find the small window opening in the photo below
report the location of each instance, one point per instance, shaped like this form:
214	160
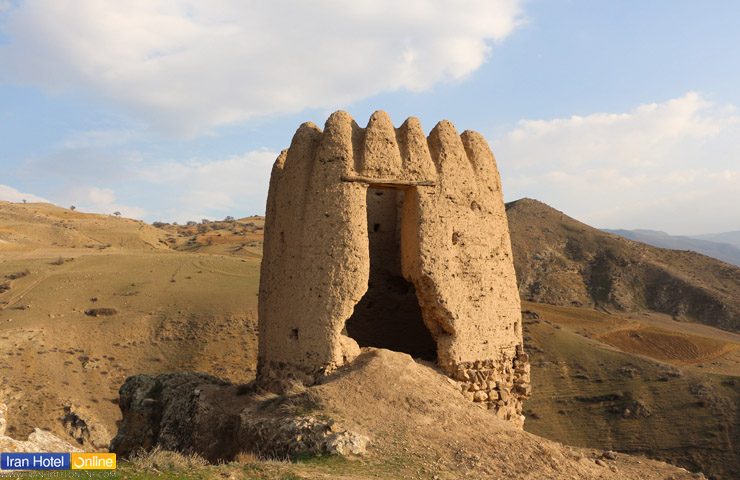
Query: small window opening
389	315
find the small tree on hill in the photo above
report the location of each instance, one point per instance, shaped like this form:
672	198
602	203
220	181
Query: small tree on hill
73	207
117	214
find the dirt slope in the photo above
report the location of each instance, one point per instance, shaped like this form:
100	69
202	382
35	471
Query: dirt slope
564	262
410	407
240	238
413	418
76	321
32	226
667	394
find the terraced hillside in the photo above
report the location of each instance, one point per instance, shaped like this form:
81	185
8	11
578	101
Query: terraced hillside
662	393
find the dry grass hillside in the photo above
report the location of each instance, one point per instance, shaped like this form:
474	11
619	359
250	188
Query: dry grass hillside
240	238
636	383
78	316
75	321
561	261
40	226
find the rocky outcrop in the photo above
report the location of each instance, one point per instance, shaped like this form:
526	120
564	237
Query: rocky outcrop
168	411
198	413
383	237
38	441
84	429
288	437
3	417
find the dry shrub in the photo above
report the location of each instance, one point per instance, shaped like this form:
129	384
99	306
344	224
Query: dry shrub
162	460
22	274
61	261
101	312
4	286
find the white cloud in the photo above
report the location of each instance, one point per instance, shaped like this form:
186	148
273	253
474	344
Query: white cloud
101	195
10	194
91	199
673	166
83	163
211	189
643	137
185	65
113	137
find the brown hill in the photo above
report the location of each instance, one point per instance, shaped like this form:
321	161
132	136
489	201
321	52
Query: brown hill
88	300
637	383
561	261
238	238
183	306
30	226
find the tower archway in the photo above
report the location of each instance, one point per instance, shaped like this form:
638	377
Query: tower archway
389	315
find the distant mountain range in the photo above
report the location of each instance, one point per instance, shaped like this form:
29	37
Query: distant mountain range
733	238
722	246
562	261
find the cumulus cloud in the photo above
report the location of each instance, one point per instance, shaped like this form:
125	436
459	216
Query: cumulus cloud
82	164
10	194
90	167
112	137
185	65
673	166
92	199
201	188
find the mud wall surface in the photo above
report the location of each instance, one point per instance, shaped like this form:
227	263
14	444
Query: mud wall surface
370	229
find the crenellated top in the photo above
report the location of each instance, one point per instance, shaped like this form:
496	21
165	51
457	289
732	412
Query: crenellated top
385	156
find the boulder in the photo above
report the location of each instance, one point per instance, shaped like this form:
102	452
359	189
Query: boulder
198	413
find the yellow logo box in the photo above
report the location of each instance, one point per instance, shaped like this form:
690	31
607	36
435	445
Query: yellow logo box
92	461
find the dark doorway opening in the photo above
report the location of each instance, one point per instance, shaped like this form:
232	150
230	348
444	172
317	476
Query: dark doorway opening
388	315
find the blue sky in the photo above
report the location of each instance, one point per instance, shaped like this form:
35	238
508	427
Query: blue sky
622	114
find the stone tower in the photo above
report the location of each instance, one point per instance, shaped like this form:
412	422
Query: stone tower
383	237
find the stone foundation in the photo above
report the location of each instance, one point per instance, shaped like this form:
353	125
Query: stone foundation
277	377
497	384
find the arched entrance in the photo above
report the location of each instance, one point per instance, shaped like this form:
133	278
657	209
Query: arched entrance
389	315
